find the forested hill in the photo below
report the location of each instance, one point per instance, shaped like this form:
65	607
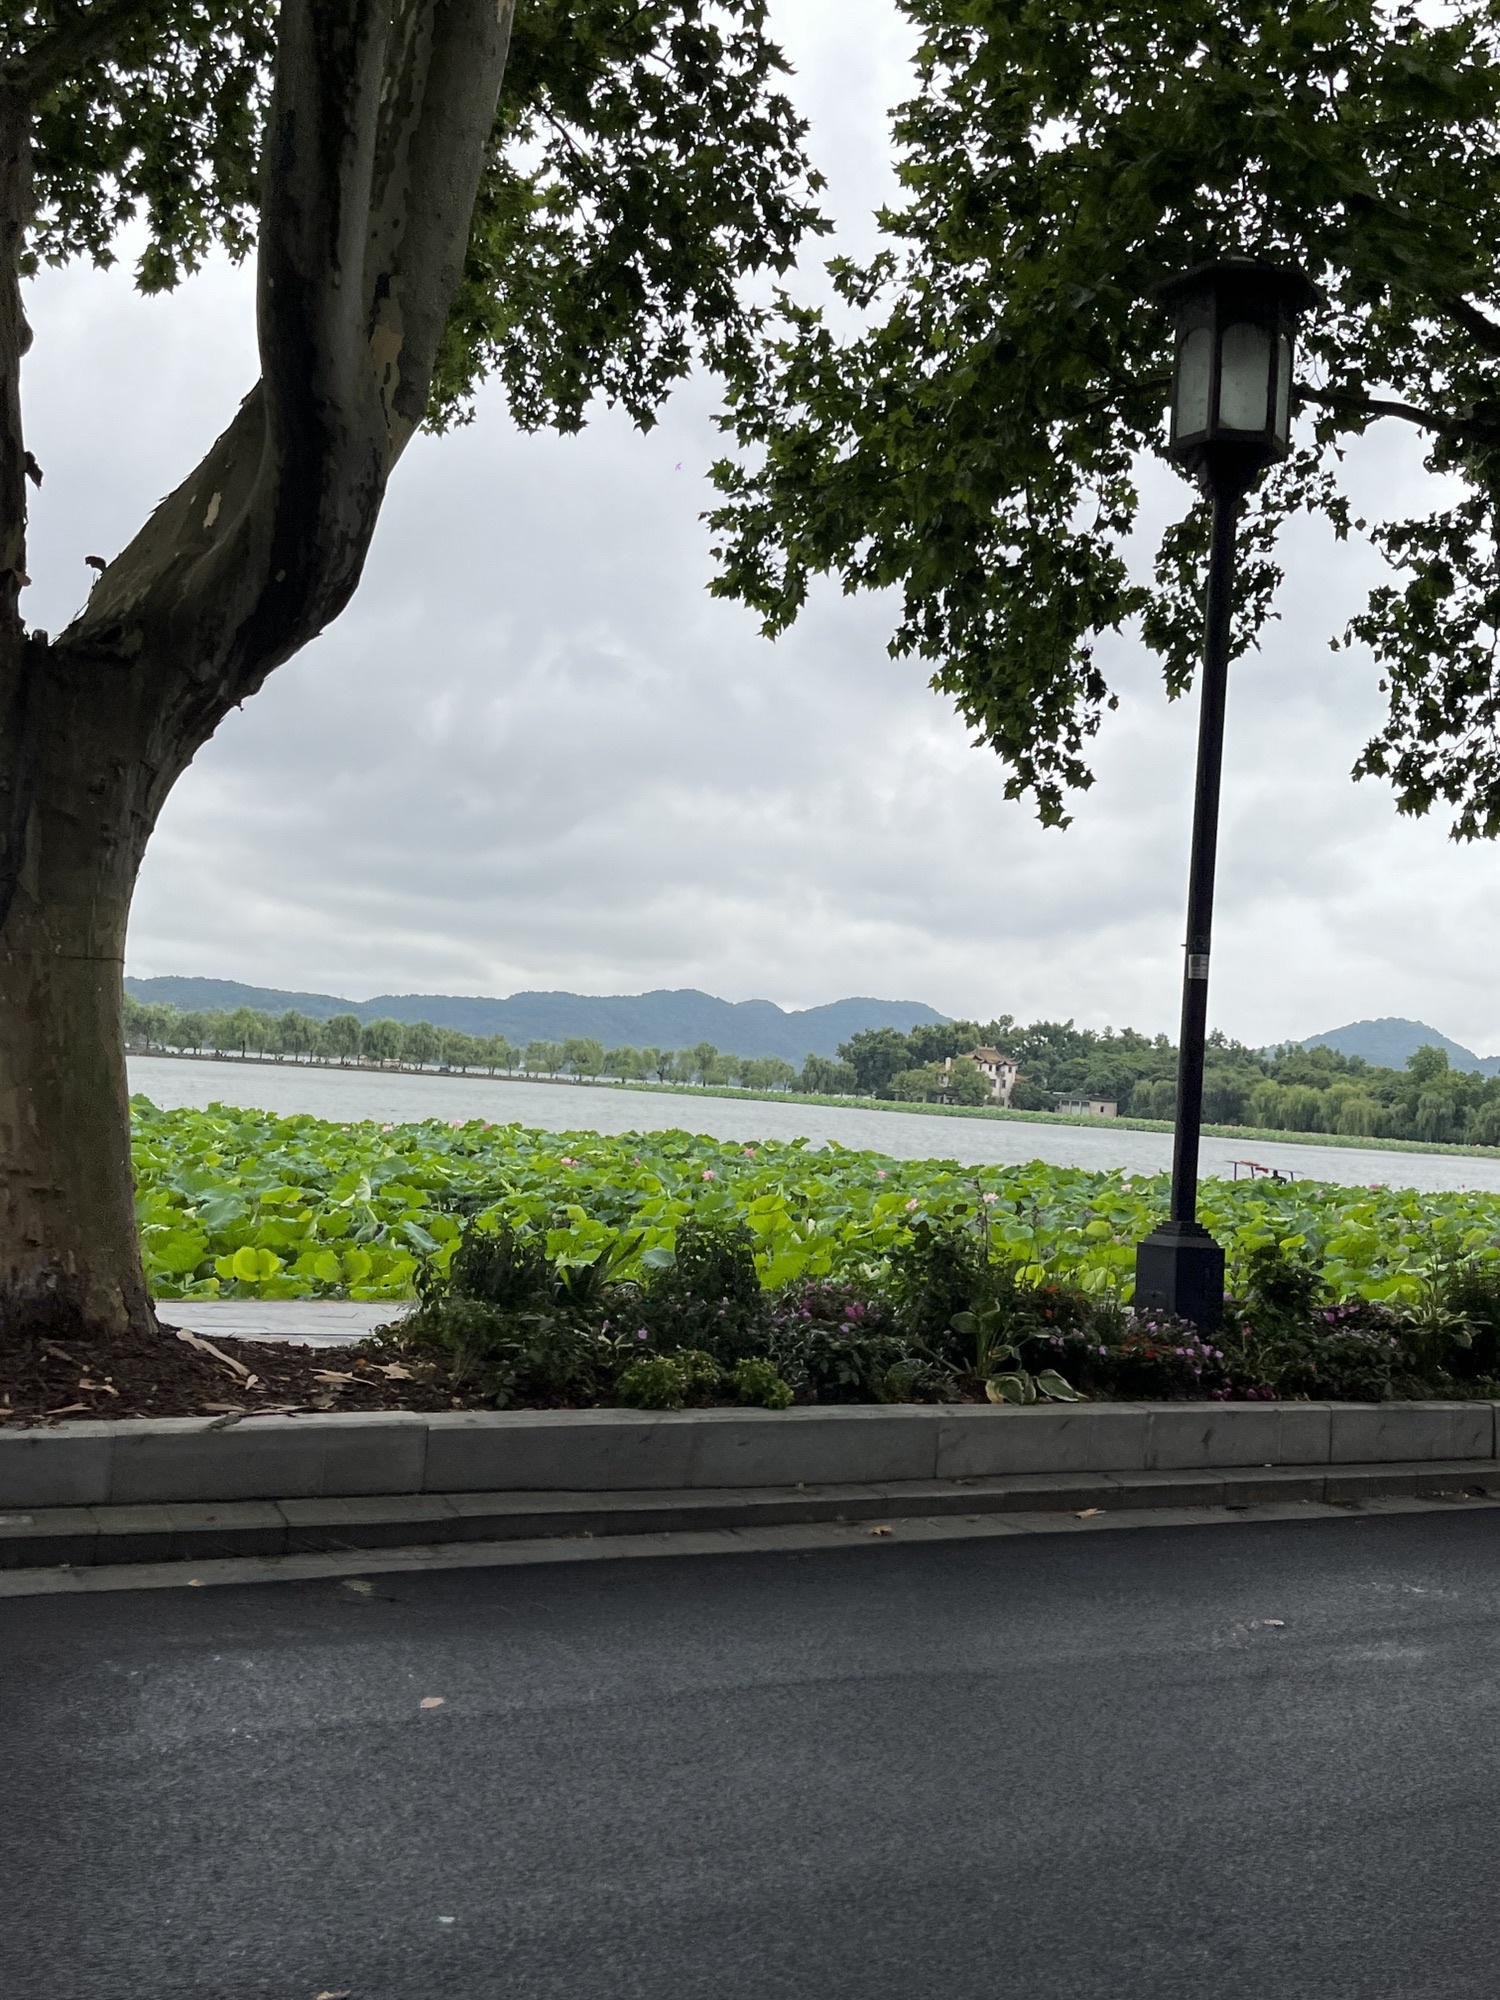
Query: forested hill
1390	1043
671	1020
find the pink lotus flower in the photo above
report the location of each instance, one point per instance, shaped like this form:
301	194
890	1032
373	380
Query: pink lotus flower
709	1174
911	1204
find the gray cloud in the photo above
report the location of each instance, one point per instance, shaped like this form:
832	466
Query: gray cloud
535	753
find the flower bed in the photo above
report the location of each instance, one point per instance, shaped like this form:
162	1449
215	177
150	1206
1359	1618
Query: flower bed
664	1270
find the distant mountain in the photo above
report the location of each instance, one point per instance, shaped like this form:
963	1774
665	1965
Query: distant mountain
1390	1041
661	1020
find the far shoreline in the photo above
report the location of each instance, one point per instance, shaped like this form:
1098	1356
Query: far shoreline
994	1114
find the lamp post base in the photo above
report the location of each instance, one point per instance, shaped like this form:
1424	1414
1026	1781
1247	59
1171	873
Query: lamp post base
1180	1269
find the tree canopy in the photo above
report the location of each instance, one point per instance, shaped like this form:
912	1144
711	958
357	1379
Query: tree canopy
970	424
567	194
643	163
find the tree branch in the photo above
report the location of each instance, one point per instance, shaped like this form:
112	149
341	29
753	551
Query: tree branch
380	116
1371	406
65	50
1481	328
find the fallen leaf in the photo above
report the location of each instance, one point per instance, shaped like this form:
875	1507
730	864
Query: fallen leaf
1088	1513
394	1372
362	1588
103	1388
431	1701
195	1583
880	1531
331	1375
344	1993
67	1410
1273	1621
207	1347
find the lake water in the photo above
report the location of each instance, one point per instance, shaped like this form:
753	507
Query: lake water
400	1097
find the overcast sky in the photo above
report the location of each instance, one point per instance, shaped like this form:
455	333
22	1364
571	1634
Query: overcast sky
533	753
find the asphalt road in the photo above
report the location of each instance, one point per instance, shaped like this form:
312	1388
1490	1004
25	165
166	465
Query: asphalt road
1035	1767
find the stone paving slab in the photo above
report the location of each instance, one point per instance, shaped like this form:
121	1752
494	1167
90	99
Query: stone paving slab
304	1322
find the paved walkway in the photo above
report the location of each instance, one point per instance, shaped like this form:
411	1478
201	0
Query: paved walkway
1156	1766
308	1322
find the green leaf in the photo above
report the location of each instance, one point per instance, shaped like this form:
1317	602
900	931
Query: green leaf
1056	1388
179	1252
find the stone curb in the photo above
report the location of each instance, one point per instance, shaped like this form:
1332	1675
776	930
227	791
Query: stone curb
85	1537
195	1461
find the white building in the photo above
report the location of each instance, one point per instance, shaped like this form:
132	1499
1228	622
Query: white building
998	1070
1089	1107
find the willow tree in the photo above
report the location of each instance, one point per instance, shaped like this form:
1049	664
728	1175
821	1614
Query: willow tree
969	432
434	190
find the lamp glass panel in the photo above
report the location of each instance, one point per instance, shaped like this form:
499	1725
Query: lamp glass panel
1283	387
1244	377
1195	363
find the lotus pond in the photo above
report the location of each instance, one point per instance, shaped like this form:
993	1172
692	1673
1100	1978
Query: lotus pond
239	1203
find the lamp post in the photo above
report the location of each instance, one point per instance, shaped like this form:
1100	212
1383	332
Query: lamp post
1236	329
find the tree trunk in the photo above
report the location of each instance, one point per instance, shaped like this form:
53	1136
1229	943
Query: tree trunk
67	1227
380	115
84	761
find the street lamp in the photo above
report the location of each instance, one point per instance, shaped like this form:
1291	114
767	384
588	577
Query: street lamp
1236	327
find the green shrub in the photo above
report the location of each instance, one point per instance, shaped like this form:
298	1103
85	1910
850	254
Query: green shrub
951	1322
910	1378
1280	1286
830	1341
1344	1353
1471	1292
935	1275
500	1266
755	1380
654	1383
668	1381
510	1355
709	1296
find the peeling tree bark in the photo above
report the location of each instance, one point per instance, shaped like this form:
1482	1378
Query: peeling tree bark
380	116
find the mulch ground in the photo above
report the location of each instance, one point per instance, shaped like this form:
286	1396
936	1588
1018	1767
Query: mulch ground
172	1374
